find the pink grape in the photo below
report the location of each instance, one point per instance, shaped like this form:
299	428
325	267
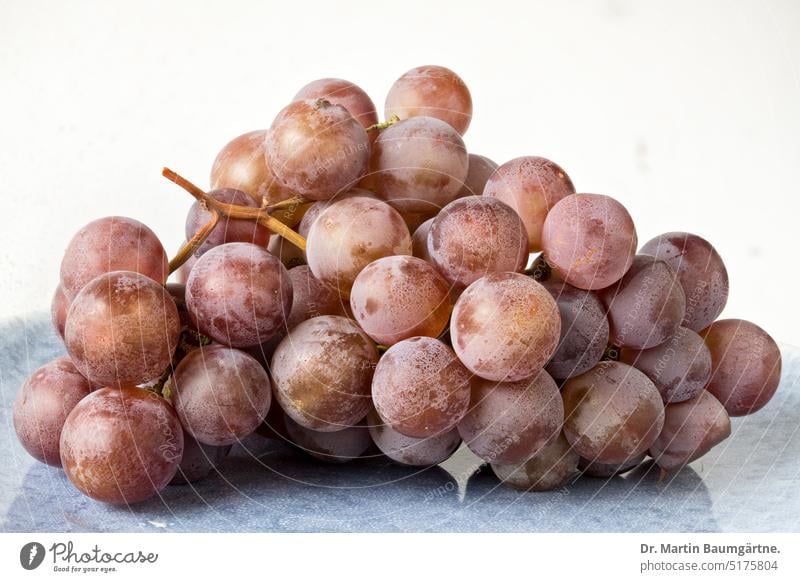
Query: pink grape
310	297
474	236
420	389
318	207
322	372
114	243
531	186
237	294
431	91
287	253
701	272
406	450
479	171
509	422
745	365
418	165
316	148
42	406
344	93
589	240
122	328
505	327
646	306
332	447
227	229
552	467
59	306
395	298
221	394
419	241
349	235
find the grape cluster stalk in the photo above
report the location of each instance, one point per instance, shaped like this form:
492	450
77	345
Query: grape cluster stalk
370	291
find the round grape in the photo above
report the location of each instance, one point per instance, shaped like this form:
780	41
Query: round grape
406	450
344	93
745	365
419	241
551	467
479	171
59	306
332	447
420	389
227	229
589	240
531	186
310	297
505	327
287	253
318	207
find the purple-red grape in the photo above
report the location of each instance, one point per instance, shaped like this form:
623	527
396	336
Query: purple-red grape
406	450
419	241
227	229
344	93
310	297
332	447
551	467
480	170
317	208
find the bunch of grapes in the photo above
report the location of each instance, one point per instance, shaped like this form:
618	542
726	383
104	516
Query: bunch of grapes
352	286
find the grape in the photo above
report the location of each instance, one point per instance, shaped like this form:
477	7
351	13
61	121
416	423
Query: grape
745	365
646	306
589	240
198	460
227	229
237	294
288	254
221	394
691	429
344	93
349	235
111	244
122	328
121	445
322	372
395	298
318	207
424	452
311	298
478	173
332	447
413	220
531	186
701	272
42	406
418	165
474	236
551	467
242	165
584	330
420	389
419	241
680	367
509	422
608	470
613	413
59	307
316	148
431	91
505	327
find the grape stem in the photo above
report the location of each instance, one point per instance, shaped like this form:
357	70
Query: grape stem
384	124
219	210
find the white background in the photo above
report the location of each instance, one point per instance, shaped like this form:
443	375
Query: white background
688	112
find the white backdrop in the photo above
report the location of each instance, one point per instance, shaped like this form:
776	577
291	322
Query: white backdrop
688	112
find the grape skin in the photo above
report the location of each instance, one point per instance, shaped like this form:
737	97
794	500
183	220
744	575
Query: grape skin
395	298
551	467
509	422
43	403
531	186
701	272
242	165
645	307
420	389
317	149
480	169
589	240
505	327
227	229
431	91
584	330
410	451
59	306
349	235
418	165
221	394
419	241
613	413
114	243
318	207
237	294
745	365
121	445
322	372
198	461
332	447
310	298
680	367
691	429
474	236
122	328
344	93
